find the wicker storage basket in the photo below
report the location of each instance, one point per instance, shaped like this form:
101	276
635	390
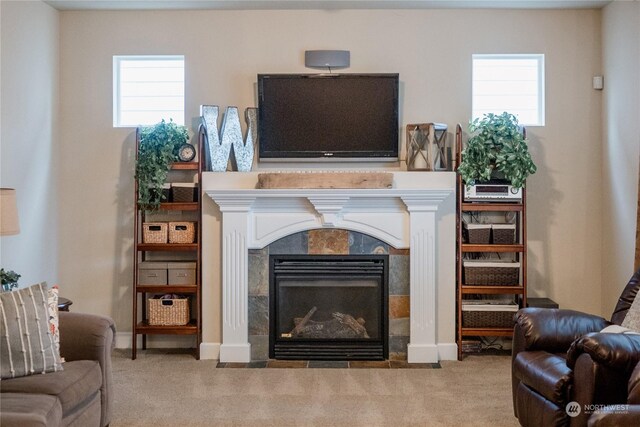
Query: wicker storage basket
488	313
182	232
504	234
168	312
155	232
477	234
491	273
184	192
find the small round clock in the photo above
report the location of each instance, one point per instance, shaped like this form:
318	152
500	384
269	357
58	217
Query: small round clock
186	152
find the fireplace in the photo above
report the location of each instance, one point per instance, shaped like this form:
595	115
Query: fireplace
417	214
328	307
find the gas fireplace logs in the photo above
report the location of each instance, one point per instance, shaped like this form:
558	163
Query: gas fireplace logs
341	326
302	322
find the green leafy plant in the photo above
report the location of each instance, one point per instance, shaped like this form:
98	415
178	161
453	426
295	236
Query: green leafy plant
9	279
158	149
496	148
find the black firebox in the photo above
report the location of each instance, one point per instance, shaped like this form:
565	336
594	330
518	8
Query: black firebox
328	307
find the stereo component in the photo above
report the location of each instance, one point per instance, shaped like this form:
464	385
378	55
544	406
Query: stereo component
492	192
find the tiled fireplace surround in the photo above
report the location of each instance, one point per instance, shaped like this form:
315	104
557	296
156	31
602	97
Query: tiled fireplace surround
402	221
324	242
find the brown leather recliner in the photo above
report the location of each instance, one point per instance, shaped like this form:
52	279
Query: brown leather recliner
559	357
621	415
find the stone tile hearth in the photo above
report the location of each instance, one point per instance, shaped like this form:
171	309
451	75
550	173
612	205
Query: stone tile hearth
330	364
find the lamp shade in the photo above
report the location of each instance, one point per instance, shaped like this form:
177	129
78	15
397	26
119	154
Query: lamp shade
9	223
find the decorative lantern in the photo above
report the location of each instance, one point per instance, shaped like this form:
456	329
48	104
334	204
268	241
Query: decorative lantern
426	147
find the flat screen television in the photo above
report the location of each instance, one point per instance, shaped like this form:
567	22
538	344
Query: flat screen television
337	117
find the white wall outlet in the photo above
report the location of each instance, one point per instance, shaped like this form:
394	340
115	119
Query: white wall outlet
598	82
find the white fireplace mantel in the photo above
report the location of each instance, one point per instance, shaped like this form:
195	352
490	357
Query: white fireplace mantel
403	216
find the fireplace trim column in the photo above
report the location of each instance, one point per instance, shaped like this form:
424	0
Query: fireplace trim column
422	347
402	217
235	263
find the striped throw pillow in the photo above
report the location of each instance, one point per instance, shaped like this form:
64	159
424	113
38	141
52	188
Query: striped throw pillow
27	346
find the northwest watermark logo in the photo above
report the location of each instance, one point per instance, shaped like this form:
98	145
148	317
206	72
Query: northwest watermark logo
573	409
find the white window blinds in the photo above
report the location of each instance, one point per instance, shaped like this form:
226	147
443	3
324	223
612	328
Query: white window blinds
511	83
147	89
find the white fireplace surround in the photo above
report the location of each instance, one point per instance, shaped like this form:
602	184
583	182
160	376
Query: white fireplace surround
405	216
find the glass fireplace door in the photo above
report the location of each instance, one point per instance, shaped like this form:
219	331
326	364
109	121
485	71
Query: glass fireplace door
328	307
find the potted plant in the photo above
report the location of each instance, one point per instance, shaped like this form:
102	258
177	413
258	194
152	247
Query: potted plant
9	279
158	148
496	149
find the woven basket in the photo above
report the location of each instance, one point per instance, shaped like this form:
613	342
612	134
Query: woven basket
154	232
168	312
182	232
488	314
183	192
478	234
504	234
491	273
487	319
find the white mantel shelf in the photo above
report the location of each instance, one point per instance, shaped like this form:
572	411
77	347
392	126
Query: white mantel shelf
279	213
403	216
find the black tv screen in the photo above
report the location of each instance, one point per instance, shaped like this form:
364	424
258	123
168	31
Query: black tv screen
325	116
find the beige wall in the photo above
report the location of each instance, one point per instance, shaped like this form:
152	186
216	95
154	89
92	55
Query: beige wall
621	149
29	122
431	49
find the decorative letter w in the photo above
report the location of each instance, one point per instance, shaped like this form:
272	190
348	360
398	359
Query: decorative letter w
219	148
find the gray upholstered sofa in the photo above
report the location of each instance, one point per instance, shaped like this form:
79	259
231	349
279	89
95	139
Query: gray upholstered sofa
80	394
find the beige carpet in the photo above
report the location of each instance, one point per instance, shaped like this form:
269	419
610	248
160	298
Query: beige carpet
176	390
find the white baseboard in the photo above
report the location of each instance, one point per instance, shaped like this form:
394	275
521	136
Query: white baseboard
123	341
448	351
210	350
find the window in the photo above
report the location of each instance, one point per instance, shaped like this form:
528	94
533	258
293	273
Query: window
147	89
512	83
